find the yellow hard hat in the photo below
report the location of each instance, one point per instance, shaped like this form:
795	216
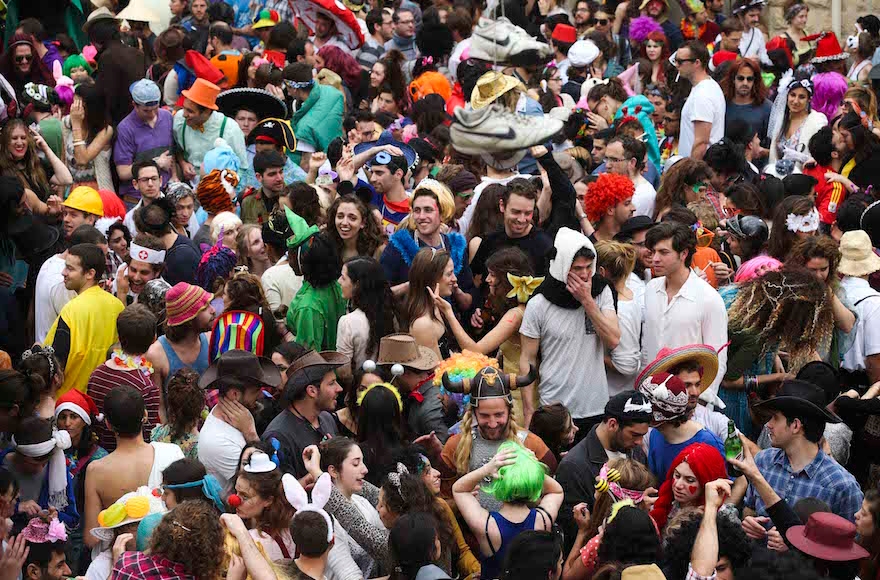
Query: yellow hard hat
85	199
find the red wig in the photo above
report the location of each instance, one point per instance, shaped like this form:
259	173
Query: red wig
606	192
706	463
342	64
656	37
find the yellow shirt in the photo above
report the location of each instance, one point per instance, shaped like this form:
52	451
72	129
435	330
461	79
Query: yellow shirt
91	317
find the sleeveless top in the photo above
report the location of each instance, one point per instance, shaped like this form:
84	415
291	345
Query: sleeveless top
482	450
491	566
175	364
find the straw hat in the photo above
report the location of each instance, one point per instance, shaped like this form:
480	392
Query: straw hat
491	86
131	507
668	358
857	257
102	13
203	93
402	349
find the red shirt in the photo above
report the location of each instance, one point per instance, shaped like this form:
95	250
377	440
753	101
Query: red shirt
829	195
141	566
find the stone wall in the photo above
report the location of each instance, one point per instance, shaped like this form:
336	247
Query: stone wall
820	16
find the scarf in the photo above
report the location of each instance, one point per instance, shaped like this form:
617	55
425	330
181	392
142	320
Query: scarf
56	445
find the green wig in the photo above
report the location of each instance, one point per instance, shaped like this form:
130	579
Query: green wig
73	61
522	481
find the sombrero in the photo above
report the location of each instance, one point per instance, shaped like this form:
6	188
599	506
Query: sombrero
260	101
273	130
668	358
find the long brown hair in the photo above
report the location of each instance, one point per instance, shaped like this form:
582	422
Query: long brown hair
870	565
781	239
275	518
817	247
426	270
245	292
369	238
759	91
507	261
32	176
685	173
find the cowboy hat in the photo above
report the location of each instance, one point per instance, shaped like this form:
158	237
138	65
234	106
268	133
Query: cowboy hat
241	364
263	103
800	397
491	86
102	13
668	358
402	349
310	368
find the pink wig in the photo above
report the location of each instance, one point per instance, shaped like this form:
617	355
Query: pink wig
342	64
755	268
641	27
828	90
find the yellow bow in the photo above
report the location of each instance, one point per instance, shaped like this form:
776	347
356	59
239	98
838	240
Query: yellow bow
523	286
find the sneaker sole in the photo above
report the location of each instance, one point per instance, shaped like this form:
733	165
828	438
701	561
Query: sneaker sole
497	146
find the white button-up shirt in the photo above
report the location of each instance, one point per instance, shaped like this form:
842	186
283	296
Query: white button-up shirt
696	315
867	328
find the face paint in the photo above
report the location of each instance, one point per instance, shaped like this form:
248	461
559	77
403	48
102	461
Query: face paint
692	489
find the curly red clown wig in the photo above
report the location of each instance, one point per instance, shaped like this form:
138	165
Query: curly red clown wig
605	193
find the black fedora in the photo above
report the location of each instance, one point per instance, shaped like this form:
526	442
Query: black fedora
800	398
241	365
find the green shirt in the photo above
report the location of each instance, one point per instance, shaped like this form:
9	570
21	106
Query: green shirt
50	129
314	314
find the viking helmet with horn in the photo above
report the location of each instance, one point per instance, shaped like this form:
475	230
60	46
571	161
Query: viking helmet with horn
489	383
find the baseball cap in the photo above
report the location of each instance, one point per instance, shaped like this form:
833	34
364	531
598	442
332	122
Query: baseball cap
629	406
145	93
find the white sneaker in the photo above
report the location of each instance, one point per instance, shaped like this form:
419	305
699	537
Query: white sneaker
495	129
501	41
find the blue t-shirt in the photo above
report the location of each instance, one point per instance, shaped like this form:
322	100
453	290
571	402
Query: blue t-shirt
661	454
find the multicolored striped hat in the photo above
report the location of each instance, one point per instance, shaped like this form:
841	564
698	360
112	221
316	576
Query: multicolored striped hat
668	358
237	329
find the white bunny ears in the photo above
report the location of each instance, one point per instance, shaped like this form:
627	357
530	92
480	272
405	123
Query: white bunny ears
299	498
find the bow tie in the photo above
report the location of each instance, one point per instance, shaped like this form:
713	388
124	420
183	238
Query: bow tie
417	396
200	128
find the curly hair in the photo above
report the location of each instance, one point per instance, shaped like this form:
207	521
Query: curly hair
245	292
785	309
677	181
520	482
409	495
185	402
371	236
679	542
825	247
342	64
305	203
394	77
630	538
781	239
605	193
759	90
191	535
276	517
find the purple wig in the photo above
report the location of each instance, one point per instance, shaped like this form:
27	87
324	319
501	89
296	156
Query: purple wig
641	27
755	268
828	90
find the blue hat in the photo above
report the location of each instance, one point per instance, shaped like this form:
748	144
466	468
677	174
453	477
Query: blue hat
145	530
220	157
145	93
383	158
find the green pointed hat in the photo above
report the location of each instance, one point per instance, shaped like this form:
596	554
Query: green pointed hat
301	230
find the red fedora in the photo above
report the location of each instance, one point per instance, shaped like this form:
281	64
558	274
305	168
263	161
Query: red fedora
828	537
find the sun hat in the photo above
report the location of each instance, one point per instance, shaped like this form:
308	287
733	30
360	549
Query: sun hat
668	396
39	530
582	53
145	93
102	13
800	397
402	349
827	536
242	365
491	86
131	507
260	463
857	257
203	93
668	358
80	403
564	33
183	302
310	368
85	199
266	19
139	11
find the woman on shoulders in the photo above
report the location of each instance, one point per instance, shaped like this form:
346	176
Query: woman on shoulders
791	136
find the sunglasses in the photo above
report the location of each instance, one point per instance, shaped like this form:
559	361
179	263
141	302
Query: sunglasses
24	58
742	78
602	21
679	61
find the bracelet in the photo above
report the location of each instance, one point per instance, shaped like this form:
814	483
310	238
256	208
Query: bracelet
78	143
750	382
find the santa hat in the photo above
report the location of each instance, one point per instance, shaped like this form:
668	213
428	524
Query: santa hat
827	47
721	57
81	404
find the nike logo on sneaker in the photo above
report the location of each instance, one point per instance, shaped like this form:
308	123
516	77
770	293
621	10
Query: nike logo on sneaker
511	134
504	42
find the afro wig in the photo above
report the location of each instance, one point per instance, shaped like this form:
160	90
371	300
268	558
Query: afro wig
521	481
605	193
641	27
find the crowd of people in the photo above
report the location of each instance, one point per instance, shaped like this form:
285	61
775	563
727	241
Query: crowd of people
434	289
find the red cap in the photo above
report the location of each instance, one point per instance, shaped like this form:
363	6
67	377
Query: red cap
564	33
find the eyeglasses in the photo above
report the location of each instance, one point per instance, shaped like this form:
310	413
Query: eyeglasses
150	179
616	160
742	79
24	58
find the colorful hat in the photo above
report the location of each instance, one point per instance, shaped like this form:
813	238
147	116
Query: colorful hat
668	396
85	199
827	536
203	93
42	531
216	191
668	358
564	33
80	403
217	262
691	6
237	329
827	47
131	507
266	19
183	302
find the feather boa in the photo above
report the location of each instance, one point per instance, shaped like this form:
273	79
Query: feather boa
408	248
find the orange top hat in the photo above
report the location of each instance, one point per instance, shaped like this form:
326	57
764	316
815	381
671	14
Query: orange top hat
203	93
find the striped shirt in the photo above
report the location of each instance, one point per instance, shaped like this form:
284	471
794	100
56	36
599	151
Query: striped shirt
103	380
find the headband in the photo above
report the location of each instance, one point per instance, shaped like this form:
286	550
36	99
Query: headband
299	499
606	482
791	12
803	223
299	85
802	83
388	386
394	478
38	93
148	255
46	351
55	445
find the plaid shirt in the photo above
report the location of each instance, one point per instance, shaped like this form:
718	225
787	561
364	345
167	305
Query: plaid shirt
822	479
141	566
692	575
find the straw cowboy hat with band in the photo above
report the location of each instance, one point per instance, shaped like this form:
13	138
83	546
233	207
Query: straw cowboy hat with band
491	86
669	358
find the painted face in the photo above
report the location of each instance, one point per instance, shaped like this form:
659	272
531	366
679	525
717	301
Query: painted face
518	213
492	416
819	267
139	273
18	143
798	100
246	120
653	49
349	221
350	476
665	260
865	521
252	504
685	485
426	215
448	280
72	423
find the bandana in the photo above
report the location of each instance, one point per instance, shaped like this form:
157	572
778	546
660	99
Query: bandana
803	223
57	464
606	482
299	85
148	255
